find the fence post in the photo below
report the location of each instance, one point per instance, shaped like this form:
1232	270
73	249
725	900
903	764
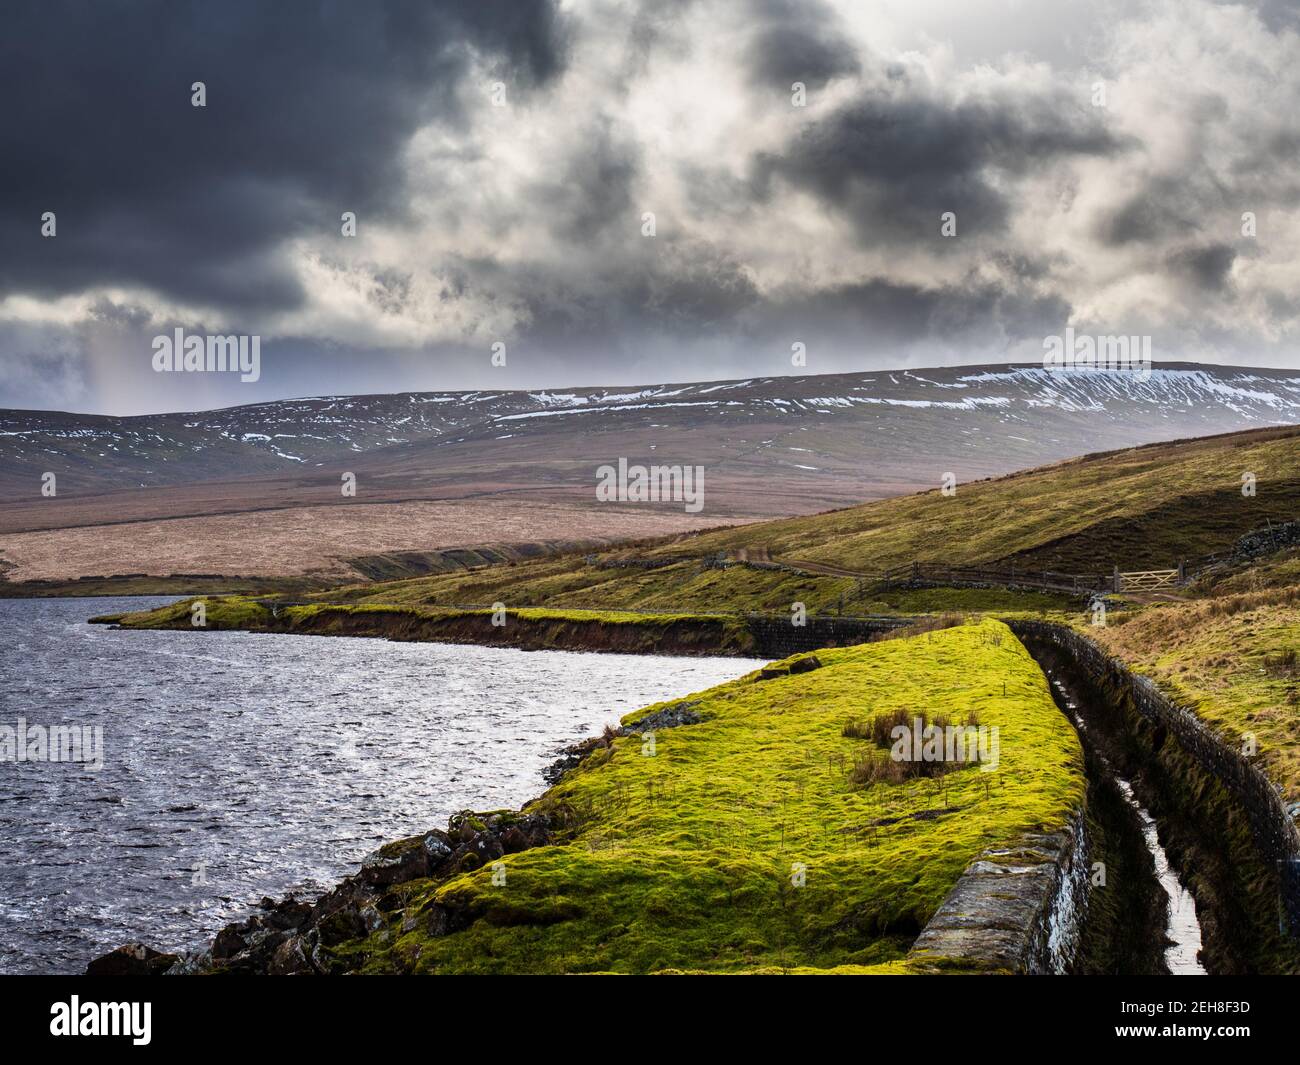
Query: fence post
1117	583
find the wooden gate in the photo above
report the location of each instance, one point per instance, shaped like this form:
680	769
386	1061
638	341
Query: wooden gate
1147	580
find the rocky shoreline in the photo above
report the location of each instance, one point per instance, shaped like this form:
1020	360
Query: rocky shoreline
292	937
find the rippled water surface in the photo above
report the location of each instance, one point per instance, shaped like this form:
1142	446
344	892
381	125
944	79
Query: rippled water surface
240	765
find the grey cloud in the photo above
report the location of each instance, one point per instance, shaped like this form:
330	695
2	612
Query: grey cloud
895	159
312	105
883	316
309	104
798	42
1162	209
1207	266
595	189
122	314
1278	15
393	290
682	290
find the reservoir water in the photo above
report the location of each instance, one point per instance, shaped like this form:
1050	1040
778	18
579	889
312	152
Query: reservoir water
239	765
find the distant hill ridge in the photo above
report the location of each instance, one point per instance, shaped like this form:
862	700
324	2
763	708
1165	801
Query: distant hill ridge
806	442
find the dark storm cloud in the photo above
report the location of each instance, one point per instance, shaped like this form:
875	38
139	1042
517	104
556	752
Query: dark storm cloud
798	42
1164	208
894	159
884	315
682	291
522	223
1206	266
694	297
309	105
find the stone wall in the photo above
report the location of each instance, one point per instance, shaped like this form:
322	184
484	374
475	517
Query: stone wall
777	637
1017	910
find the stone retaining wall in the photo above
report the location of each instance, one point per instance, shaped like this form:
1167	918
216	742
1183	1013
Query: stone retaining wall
776	637
1017	910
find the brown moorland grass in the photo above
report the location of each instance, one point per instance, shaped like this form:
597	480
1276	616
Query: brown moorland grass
1233	660
313	540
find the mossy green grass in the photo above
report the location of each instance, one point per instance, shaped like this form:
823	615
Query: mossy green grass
241	612
739	843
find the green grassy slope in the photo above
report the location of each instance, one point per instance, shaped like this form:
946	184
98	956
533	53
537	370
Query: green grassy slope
1131	508
529	628
683	859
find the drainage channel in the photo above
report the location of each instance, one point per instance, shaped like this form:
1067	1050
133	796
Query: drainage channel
1182	933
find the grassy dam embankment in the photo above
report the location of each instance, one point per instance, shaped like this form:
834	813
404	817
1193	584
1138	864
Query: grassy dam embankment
527	628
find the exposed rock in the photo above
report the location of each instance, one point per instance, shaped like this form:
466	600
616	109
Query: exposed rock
287	913
571	757
513	840
191	964
805	665
414	857
131	959
669	717
437	920
228	942
291	959
437	845
293	937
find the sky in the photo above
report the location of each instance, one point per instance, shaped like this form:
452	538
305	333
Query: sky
606	192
